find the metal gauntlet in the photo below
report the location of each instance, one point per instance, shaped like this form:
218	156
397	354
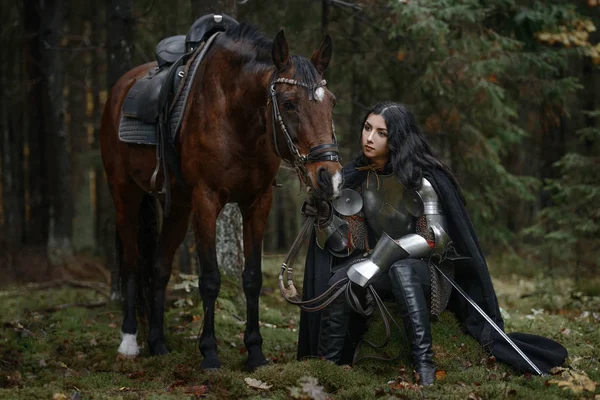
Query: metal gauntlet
387	252
333	236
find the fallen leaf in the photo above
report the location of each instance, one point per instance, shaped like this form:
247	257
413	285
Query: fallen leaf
197	391
558	370
59	396
440	374
575	381
406	385
255	383
473	396
175	384
309	387
135	375
62	364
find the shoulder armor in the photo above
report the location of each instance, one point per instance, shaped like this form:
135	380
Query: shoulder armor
429	199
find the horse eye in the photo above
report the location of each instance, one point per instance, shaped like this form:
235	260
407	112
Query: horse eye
289	106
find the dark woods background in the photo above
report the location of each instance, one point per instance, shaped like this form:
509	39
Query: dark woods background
507	90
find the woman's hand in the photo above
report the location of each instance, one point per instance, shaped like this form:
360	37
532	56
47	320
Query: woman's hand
318	209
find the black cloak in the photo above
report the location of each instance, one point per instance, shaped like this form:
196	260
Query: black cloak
472	275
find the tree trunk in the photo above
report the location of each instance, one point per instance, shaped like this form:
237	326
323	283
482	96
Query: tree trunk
36	166
230	250
11	144
119	52
59	166
80	126
119	38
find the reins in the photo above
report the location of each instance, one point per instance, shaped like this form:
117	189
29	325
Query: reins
343	286
319	153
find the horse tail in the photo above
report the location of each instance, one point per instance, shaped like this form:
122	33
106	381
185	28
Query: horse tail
149	228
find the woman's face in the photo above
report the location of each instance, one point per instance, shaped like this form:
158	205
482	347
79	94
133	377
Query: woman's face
375	139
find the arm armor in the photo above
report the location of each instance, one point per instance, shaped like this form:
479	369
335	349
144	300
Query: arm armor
388	251
433	212
333	236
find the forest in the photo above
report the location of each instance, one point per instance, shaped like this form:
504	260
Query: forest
507	92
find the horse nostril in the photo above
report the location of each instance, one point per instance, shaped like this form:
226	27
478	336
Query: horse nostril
324	181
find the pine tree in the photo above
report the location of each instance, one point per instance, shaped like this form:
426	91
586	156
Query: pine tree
570	229
474	68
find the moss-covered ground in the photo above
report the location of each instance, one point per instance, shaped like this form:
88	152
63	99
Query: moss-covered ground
71	353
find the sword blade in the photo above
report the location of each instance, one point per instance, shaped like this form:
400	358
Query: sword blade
489	320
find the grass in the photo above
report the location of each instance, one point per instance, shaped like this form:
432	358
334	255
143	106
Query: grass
72	353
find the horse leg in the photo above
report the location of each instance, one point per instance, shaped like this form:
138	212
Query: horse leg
127	220
255	221
172	234
206	208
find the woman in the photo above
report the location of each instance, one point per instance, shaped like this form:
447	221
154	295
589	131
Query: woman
411	214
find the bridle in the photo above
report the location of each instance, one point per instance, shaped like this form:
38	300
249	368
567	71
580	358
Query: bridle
319	153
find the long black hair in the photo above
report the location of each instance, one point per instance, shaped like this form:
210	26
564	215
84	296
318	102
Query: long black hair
410	152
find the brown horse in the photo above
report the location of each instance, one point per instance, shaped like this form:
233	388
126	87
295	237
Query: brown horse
254	106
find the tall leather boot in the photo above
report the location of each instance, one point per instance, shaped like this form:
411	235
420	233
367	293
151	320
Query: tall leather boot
410	295
333	329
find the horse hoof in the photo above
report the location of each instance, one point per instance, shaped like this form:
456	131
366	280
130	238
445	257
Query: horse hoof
210	364
211	361
128	347
255	361
159	349
252	366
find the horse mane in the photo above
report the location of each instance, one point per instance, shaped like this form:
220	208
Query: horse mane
255	49
255	46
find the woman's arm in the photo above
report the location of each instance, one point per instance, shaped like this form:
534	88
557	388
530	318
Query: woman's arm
431	236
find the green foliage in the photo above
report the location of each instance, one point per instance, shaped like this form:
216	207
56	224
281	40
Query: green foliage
473	66
569	229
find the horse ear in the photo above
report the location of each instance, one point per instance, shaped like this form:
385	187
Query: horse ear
280	53
321	57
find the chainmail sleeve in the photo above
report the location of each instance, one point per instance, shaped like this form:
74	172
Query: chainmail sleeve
441	289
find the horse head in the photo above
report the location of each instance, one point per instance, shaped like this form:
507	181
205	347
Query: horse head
302	121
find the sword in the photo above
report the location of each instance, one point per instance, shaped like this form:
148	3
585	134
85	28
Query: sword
489	320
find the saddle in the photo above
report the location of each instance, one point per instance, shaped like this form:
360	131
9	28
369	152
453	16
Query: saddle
149	94
153	107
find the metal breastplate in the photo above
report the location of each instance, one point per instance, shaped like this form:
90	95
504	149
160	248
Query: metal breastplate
386	204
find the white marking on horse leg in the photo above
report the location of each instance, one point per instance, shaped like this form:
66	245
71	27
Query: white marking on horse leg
336	181
129	346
